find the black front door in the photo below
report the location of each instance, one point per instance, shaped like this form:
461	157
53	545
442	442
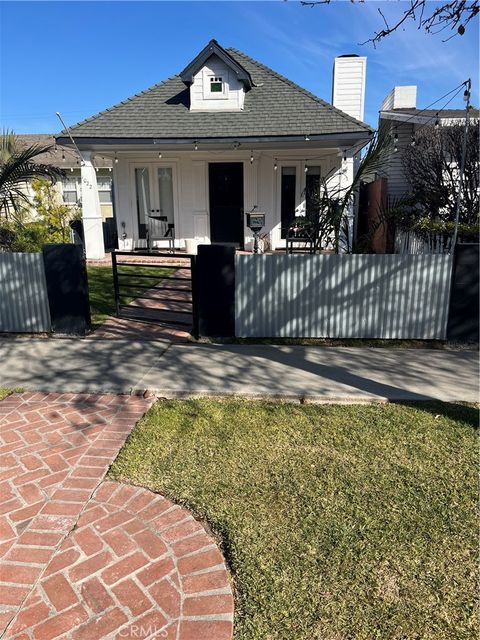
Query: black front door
226	202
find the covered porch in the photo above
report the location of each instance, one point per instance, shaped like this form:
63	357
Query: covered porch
227	135
178	195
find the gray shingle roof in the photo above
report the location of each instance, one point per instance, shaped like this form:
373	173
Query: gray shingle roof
63	157
274	107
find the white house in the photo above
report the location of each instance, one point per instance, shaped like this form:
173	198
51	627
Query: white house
226	135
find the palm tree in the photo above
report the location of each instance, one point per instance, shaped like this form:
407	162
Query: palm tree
17	168
328	221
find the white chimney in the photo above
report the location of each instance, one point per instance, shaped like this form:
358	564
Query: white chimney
348	91
401	98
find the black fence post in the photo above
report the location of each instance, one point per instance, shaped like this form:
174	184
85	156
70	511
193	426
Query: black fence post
115	282
463	313
67	288
215	290
193	276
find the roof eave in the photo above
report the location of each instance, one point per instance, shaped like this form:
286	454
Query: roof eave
338	138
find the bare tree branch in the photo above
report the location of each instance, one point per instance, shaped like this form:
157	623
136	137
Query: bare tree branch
454	16
431	167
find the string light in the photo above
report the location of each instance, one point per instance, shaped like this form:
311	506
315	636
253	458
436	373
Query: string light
251	157
63	155
195	146
306	168
71	169
275	166
307	139
116	159
159	155
395	137
437	121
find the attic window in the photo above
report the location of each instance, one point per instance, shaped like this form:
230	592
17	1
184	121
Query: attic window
216	84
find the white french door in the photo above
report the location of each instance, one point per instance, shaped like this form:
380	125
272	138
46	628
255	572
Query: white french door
155	194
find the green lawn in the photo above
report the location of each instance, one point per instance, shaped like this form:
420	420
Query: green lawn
338	522
100	284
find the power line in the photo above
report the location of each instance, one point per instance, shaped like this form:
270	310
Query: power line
435	116
415	115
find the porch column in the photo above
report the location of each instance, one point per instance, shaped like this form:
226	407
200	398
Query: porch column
346	177
91	213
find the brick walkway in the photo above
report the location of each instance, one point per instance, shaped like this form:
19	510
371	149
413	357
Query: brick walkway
87	558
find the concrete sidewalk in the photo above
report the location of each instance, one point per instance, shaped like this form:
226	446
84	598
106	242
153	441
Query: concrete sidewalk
76	365
319	373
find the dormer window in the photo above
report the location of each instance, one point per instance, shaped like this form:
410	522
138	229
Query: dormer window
217	81
216	84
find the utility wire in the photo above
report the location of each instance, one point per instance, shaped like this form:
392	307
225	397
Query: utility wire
415	115
435	116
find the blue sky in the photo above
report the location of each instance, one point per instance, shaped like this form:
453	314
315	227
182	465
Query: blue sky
81	57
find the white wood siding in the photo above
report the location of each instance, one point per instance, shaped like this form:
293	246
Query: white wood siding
349	78
233	98
397	181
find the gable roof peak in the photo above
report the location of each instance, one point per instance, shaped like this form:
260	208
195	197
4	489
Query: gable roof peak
213	48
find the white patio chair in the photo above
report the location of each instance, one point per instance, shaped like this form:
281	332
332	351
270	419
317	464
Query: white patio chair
158	228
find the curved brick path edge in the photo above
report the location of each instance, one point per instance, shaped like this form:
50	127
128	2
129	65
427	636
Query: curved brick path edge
85	558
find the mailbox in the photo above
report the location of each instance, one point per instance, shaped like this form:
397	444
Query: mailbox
255	221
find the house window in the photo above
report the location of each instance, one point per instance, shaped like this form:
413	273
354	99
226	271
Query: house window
165	191
142	187
287	197
312	190
216	84
104	184
69	189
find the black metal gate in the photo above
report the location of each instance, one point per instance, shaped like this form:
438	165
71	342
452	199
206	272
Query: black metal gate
166	299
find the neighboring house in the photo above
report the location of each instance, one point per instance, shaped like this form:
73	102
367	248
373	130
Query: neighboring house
399	111
205	146
69	188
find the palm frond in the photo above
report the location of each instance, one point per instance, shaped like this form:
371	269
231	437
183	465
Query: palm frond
17	168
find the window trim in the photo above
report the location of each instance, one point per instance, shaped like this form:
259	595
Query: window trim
76	190
215	95
217	80
109	190
152	168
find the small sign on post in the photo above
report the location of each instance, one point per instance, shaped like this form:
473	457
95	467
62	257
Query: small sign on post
255	222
